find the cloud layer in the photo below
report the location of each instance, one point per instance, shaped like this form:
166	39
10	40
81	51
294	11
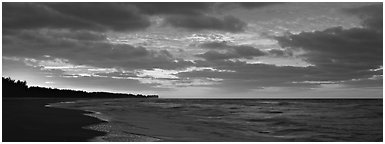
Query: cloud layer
231	51
92	16
115	16
342	52
86	48
119	42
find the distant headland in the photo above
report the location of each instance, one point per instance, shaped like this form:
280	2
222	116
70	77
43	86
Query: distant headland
13	88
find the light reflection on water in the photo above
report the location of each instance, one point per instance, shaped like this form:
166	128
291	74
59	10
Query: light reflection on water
237	120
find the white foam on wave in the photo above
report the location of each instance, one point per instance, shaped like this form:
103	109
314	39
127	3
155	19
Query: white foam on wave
59	104
116	133
97	115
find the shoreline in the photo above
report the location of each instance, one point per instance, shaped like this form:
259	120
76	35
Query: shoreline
29	120
110	127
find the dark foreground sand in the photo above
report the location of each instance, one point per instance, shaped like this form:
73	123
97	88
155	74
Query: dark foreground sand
28	120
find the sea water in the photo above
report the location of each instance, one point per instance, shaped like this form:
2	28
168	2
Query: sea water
235	120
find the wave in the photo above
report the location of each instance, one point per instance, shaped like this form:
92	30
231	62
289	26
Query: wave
116	135
97	115
233	120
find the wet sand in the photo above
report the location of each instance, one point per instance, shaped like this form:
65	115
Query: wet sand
28	120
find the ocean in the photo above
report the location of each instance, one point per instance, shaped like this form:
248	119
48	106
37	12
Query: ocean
235	120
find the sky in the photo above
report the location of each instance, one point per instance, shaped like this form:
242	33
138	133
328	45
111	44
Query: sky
198	50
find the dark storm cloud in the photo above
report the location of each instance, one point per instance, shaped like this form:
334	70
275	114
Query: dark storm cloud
115	16
194	8
371	15
93	16
181	8
231	51
86	48
214	55
215	45
239	75
204	22
225	6
192	16
243	70
252	5
337	49
343	53
36	15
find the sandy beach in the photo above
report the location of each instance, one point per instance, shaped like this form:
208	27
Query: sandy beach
28	120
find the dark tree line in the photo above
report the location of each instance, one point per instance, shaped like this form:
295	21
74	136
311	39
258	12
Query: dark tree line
13	88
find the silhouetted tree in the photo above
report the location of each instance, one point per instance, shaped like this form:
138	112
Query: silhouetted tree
12	88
